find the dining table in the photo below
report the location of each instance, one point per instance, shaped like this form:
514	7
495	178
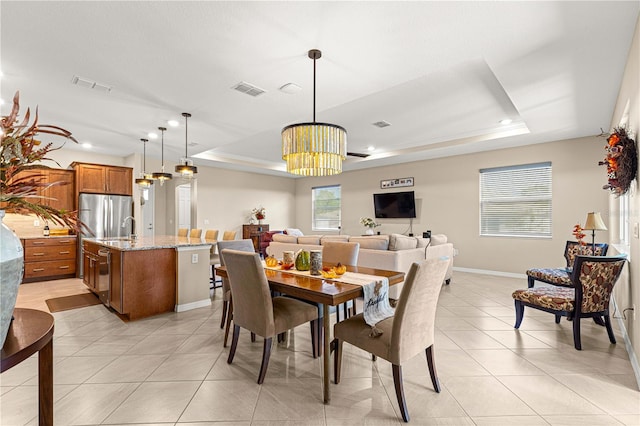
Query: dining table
328	292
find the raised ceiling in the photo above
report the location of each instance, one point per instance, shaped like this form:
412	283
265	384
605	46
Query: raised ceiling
444	74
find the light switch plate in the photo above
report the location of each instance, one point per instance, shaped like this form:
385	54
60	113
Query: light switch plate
636	232
194	258
36	222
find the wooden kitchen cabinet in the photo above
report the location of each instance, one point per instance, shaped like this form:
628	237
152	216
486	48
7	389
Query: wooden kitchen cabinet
49	258
102	179
60	196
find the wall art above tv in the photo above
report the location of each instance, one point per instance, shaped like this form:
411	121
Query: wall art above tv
395	183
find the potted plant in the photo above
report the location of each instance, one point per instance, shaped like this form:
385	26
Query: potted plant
20	151
369	223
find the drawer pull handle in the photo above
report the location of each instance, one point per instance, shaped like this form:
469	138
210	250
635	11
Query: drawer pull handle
64	267
38	254
64	252
38	269
38	243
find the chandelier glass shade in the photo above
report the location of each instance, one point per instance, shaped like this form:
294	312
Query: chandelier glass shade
186	167
314	149
146	180
162	176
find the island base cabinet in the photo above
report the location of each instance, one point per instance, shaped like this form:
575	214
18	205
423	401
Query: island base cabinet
143	282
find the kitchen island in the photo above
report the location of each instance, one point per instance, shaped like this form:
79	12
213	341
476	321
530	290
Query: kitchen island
149	275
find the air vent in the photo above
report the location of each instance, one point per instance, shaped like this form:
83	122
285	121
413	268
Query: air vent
249	89
91	84
357	154
382	124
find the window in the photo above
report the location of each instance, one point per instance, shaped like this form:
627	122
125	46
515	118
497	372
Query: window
326	203
516	201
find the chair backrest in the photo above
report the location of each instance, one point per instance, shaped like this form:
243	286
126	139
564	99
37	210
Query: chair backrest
211	234
229	235
252	305
342	252
240	245
574	248
414	319
593	278
195	233
183	232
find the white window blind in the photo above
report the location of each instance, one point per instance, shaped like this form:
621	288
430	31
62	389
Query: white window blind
326	207
516	201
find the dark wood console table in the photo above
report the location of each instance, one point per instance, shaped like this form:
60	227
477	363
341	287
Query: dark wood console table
254	233
32	331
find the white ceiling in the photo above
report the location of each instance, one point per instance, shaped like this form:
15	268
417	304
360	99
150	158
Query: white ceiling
442	73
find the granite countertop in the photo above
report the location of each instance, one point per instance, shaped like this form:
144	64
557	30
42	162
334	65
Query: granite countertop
151	243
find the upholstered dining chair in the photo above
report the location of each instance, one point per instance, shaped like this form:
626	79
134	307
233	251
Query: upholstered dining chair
214	259
254	308
561	276
211	235
195	233
592	279
227	303
183	232
404	335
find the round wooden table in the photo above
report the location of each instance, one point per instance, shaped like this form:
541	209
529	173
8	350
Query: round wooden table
32	331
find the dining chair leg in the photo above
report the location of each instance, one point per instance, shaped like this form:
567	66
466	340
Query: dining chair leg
530	282
576	332
314	343
599	321
519	313
607	323
337	360
234	343
229	319
397	381
253	337
224	313
432	369
557	319
266	353
320	337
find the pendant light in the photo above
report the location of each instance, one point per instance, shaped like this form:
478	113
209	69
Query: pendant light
314	149
162	176
186	167
145	181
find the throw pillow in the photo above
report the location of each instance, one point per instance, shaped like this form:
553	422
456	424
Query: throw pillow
437	239
283	238
372	243
401	242
344	238
309	239
293	231
422	242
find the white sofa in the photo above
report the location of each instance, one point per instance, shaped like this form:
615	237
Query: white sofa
393	252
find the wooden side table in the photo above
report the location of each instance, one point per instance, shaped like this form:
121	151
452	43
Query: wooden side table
32	331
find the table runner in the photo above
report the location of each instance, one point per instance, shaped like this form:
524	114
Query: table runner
375	289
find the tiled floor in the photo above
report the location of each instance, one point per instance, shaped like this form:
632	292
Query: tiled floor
172	369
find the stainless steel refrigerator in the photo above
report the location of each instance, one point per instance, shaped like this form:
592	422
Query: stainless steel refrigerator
104	215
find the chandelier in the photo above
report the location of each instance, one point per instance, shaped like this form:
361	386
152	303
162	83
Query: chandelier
162	176
314	149
145	181
186	167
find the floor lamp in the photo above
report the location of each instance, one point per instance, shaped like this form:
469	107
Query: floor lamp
594	223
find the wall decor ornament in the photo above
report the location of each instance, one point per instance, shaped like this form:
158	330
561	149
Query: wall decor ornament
621	161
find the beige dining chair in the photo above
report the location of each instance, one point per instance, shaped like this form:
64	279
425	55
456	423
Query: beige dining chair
195	233
255	310
404	335
183	232
214	259
227	304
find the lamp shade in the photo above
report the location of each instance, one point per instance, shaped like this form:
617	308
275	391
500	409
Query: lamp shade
594	222
145	181
186	167
162	176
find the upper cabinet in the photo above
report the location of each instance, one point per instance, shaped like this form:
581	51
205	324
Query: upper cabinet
59	196
101	179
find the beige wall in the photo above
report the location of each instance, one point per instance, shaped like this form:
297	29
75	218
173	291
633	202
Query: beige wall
447	198
627	291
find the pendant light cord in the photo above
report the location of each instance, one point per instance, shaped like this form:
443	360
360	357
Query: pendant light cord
314	89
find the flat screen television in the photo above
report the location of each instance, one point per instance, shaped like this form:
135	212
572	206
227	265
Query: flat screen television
394	205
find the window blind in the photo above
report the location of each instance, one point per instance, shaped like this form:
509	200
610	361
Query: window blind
326	208
516	201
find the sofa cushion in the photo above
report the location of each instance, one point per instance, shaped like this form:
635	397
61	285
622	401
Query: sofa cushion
309	239
401	242
437	239
293	231
379	242
422	242
343	238
283	238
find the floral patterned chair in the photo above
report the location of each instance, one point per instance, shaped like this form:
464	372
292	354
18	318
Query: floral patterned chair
560	276
592	280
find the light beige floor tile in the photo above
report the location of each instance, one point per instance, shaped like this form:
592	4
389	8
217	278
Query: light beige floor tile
224	400
473	339
158	344
499	311
554	361
100	347
5	389
516	339
489	323
279	423
510	420
247	423
485	396
128	368
628	420
358	399
70	345
203	343
582	420
179	367
290	399
20	373
453	323
183	326
441	341
549	395
503	362
76	370
155	402
605	392
20	405
91	403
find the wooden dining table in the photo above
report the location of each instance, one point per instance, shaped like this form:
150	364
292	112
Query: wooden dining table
328	292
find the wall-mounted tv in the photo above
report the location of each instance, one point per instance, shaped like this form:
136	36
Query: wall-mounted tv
394	205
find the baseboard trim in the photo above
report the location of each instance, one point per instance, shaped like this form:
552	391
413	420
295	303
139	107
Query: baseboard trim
193	305
635	365
489	272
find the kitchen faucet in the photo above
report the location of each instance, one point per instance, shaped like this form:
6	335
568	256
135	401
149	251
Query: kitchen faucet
132	236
